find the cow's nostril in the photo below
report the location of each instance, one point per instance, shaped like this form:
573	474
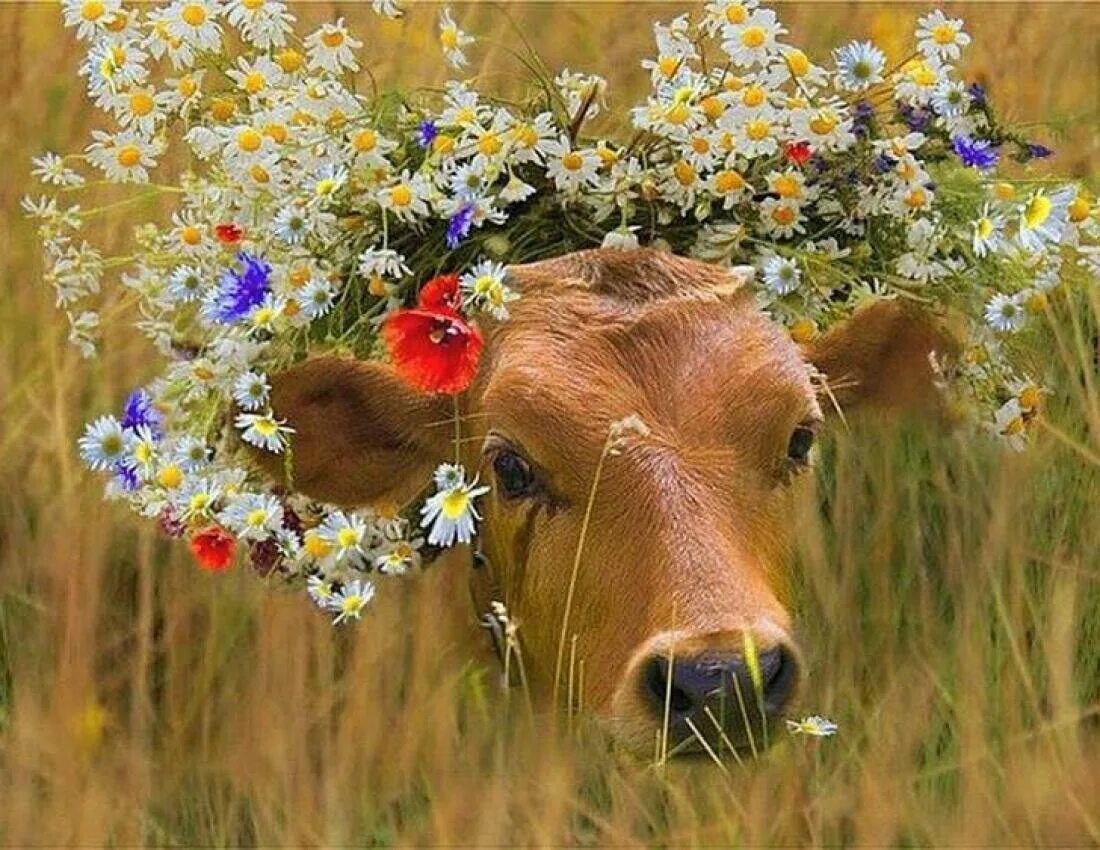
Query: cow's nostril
780	673
659	687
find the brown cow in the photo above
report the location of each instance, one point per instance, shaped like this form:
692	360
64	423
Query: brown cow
660	578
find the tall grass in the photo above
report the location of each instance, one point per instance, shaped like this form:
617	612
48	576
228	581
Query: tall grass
949	595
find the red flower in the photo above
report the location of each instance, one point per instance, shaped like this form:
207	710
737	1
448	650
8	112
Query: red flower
799	153
228	233
441	295
213	548
435	351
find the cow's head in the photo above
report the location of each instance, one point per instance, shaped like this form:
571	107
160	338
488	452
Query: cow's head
650	574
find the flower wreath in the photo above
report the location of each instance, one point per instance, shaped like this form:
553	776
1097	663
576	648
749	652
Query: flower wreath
316	216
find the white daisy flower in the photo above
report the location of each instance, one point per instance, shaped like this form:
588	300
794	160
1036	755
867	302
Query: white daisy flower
332	48
781	275
185	284
317	297
89	16
987	232
781	217
195	501
453	40
719	14
407	197
571	169
1043	218
251	390
450	514
125	157
253	516
320	590
1010	425
950	99
263	430
859	65
104	443
754	40
51	170
814	726
348	602
398	558
345	532
263	23
483	288
941	37
195	22
621	239
1005	313
387	8
383	262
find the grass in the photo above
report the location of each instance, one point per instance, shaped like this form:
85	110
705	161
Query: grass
948	595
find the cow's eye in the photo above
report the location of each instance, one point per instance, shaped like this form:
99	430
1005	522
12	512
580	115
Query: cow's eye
798	449
514	476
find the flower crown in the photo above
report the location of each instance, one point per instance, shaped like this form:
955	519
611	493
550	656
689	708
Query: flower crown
319	217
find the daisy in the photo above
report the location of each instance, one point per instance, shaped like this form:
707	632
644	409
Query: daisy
1005	313
387	8
758	136
263	430
987	232
253	516
398	559
345	533
781	217
317	298
195	22
826	127
195	501
1043	218
104	444
1010	424
571	169
382	262
815	726
483	288
621	239
941	37
950	99
332	48
753	40
729	185
453	40
719	14
140	107
125	157
350	600
251	390
407	197
859	65
320	590
257	77
781	275
263	23
89	16
450	514
51	170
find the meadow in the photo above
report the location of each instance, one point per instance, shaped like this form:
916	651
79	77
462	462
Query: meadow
948	593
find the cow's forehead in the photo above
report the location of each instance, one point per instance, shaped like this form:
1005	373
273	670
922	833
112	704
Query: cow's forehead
705	369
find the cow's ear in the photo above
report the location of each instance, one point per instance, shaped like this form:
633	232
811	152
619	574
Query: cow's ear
880	358
361	434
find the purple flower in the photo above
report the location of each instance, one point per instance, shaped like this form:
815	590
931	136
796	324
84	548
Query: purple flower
139	410
977	94
975	153
126	476
170	524
883	163
458	228
861	118
916	118
265	556
426	134
241	291
1038	151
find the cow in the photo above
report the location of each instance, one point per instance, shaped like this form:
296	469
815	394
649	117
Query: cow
643	425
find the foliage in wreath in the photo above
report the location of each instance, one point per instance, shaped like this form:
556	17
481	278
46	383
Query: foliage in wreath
316	216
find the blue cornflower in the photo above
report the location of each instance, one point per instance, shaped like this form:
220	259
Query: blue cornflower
139	410
977	94
458	228
862	115
976	153
1038	151
884	163
127	477
426	134
241	291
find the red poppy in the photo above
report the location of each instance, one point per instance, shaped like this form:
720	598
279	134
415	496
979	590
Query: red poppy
228	233
434	351
441	295
213	548
799	153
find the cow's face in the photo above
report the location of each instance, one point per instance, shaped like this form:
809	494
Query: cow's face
643	426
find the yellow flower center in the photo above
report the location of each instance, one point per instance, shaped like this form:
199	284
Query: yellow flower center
198	503
222	109
700	145
465	115
489	144
325	186
289	60
1079	209
249	140
117	22
258	173
985	228
667	65
332	39
443	144
1030	397
786	186
448	37
260	318
186	87
92	10
823	123
608	156
143	452
758	129
1014	427
347	537
266	426
754	96
401	195
943	34
572	161
128	156
1036	303
193	14
798	63
916	199
252	5
454	504
732	82
803	331
736	13
256	518
254	82
316	547
784	215
1037	211
753	37
191	235
276	132
713	108
141	103
728	181
684	172
525	135
365	141
170	477
678	113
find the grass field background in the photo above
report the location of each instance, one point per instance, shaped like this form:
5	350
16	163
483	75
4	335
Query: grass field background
949	594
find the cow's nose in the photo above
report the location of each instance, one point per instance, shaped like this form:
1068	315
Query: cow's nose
717	694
